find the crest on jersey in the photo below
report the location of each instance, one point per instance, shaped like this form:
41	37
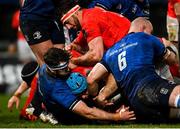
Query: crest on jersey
37	35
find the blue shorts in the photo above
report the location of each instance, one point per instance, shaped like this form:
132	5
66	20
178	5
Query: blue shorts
39	31
151	101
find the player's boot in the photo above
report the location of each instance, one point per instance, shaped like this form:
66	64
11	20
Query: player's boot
52	119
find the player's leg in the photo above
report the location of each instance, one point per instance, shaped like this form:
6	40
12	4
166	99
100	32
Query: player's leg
40	49
41	35
174	99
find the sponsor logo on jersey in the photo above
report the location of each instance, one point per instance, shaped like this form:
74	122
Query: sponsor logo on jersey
164	91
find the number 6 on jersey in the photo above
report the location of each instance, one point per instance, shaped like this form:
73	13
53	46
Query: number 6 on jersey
122	60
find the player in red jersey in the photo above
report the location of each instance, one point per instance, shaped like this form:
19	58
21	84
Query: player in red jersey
100	29
173	19
173	23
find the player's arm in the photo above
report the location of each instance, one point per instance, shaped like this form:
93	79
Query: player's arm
97	73
74	46
109	88
94	54
15	99
97	114
170	56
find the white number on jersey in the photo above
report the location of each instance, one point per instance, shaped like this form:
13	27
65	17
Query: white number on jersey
122	60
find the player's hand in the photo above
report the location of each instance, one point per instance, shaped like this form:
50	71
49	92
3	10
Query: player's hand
71	65
68	47
101	102
13	100
125	114
166	42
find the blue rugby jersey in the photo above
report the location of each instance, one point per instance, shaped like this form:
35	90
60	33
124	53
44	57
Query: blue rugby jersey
129	8
55	91
131	61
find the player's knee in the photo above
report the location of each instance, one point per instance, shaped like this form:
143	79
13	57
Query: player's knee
177	101
174	99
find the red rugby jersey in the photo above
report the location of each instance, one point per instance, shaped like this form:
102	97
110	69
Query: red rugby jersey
171	11
109	25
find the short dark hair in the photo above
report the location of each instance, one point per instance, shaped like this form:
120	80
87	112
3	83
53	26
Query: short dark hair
55	55
28	71
65	5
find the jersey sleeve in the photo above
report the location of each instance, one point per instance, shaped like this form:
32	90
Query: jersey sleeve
104	63
106	4
158	46
63	96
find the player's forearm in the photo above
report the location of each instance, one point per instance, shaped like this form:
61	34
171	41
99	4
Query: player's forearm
21	89
78	48
93	89
109	88
170	57
98	114
87	59
94	113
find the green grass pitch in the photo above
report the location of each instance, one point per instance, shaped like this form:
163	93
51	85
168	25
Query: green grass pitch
11	120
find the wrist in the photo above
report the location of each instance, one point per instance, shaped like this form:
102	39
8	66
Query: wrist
117	117
18	95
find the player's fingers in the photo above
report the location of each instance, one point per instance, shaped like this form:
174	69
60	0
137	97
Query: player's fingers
132	118
17	104
10	105
109	103
126	108
119	109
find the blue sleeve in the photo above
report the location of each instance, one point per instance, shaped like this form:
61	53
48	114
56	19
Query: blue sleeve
104	62
158	46
107	4
63	96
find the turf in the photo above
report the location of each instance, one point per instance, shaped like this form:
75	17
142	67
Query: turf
11	120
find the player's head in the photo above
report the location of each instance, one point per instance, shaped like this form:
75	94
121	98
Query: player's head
57	61
70	18
141	24
77	83
29	71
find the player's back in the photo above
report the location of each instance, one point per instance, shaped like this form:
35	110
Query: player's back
111	26
132	59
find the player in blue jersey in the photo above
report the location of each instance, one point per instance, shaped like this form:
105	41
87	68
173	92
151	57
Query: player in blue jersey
132	63
40	25
128	8
59	98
